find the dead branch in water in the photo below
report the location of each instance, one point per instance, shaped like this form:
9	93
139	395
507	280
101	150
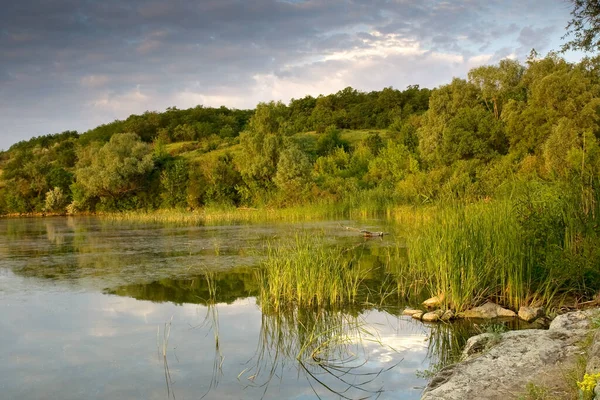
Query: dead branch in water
364	232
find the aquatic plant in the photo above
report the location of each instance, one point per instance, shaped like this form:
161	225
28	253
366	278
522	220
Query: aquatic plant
534	247
306	273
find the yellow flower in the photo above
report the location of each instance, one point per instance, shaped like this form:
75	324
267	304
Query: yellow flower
588	383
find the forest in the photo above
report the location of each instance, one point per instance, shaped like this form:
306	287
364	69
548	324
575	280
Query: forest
476	139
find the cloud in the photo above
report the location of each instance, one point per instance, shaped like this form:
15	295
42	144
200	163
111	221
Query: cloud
538	38
74	64
94	80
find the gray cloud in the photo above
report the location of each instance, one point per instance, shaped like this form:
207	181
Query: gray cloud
75	63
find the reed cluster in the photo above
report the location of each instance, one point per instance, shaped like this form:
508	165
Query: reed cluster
515	252
307	273
221	215
409	215
472	253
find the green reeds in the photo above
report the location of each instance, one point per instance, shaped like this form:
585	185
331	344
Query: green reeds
320	211
307	273
511	252
472	253
210	215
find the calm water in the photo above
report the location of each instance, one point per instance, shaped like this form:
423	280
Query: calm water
103	310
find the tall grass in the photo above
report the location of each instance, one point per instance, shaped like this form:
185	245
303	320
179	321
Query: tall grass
529	248
471	253
354	209
220	215
306	273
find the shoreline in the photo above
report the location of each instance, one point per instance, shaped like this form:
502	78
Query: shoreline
528	364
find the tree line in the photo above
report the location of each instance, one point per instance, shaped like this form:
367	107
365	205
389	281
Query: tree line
468	139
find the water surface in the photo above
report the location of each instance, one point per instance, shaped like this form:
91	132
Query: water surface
113	310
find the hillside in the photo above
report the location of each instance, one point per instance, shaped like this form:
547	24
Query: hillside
507	124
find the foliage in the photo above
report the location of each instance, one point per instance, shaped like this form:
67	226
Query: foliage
115	170
584	27
56	201
293	173
222	181
174	182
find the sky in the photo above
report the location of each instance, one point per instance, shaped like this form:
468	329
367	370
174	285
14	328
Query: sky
75	64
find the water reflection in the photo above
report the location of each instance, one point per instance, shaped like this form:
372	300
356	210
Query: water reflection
96	309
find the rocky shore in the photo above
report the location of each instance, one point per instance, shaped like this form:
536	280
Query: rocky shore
526	364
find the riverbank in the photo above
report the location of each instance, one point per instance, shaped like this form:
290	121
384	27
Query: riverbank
410	215
529	364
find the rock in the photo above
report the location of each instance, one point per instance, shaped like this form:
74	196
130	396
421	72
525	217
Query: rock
593	362
487	311
578	320
432	316
543	322
499	366
447	316
434	301
530	314
477	344
411	311
418	315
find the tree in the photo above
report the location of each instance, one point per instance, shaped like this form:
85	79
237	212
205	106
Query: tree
329	141
117	169
174	182
293	172
222	181
584	26
56	201
445	103
392	164
472	133
497	83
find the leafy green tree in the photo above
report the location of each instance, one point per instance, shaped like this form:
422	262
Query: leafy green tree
262	144
260	158
330	140
269	118
392	165
223	181
184	132
174	183
444	103
472	133
293	172
498	83
56	200
555	90
117	170
374	142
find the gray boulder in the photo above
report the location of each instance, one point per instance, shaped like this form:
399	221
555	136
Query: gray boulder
499	366
487	311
